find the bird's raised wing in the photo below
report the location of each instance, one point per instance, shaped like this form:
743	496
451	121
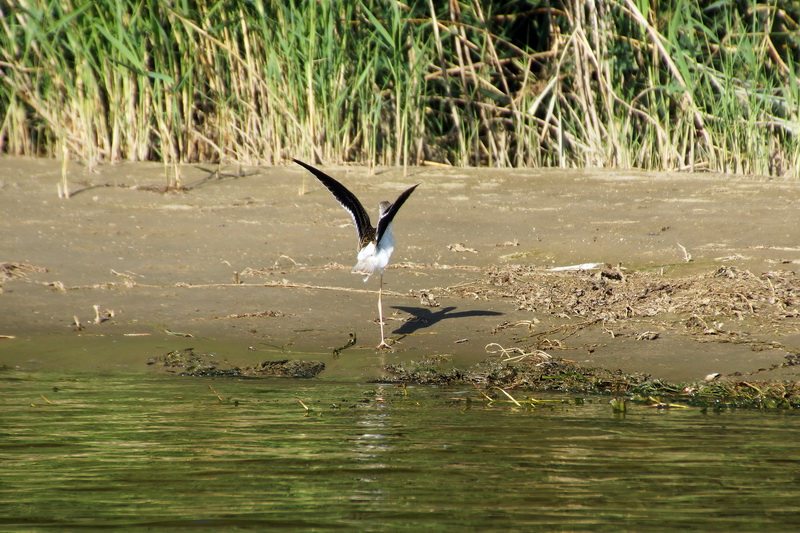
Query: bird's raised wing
389	214
345	197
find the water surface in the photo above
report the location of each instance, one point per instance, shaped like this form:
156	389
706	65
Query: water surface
125	451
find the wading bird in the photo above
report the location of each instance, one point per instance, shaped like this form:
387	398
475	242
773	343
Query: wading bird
375	244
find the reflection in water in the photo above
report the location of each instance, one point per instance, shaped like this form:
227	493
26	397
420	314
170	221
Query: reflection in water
371	443
129	451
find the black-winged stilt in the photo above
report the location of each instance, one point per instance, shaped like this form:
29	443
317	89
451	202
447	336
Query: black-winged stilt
375	244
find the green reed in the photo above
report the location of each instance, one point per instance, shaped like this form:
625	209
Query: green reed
694	85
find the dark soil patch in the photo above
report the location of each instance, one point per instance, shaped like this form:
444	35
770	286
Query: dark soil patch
188	363
728	305
613	295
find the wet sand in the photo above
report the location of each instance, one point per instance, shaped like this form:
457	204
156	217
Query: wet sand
253	268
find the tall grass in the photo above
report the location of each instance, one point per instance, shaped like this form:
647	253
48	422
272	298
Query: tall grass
610	83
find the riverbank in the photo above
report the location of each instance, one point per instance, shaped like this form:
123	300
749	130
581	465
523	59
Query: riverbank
253	264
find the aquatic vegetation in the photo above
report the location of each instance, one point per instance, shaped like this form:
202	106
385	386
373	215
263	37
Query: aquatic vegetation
500	381
426	371
619	405
187	362
727	393
497	376
692	85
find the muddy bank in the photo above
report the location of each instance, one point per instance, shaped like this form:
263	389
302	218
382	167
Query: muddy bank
698	271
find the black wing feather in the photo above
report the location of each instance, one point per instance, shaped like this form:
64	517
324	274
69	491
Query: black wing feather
347	199
387	217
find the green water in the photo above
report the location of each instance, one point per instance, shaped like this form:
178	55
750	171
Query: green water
121	452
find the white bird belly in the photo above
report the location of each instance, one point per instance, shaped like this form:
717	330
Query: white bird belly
372	258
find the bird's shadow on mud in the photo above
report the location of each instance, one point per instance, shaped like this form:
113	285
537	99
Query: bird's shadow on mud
423	317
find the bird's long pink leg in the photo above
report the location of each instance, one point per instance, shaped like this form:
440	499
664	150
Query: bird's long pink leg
383	344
